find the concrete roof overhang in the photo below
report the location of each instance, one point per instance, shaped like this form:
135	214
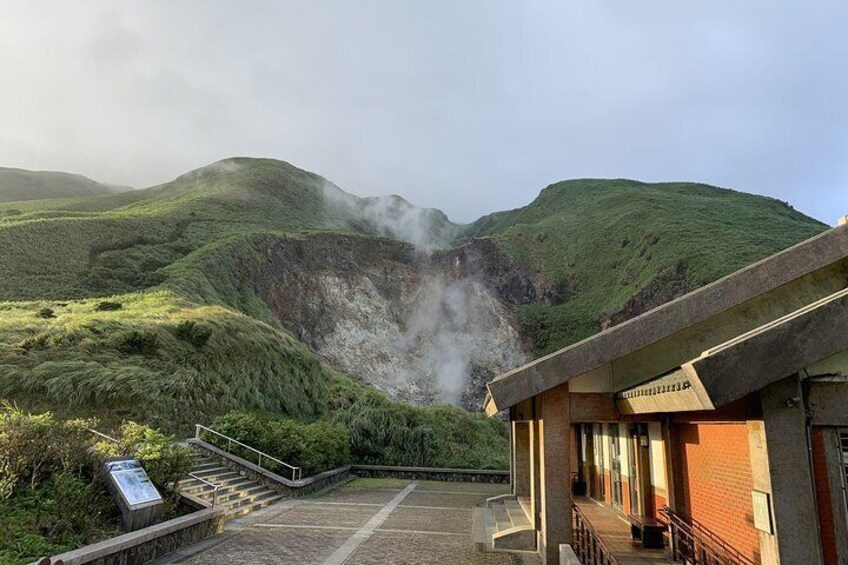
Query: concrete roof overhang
649	328
747	363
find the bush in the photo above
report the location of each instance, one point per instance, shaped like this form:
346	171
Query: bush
385	433
312	447
137	342
194	333
165	461
107	306
46	313
34	447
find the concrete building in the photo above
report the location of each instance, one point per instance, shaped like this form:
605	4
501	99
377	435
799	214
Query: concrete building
723	413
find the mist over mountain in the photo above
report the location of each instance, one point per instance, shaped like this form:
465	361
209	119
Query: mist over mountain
389	294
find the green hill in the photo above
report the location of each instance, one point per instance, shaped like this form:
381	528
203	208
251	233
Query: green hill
145	304
613	249
22	185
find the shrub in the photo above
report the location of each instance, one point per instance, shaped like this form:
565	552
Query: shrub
137	342
46	313
194	333
313	447
165	461
107	306
34	447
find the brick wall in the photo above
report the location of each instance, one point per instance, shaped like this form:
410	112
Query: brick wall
823	498
715	469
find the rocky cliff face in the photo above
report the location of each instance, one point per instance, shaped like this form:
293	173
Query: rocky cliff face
422	327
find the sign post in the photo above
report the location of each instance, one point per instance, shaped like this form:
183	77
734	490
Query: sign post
140	503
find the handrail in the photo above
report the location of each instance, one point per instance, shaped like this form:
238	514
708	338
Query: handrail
215	487
104	436
697	543
296	472
588	545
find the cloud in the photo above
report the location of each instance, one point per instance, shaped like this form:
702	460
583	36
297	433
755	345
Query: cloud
468	107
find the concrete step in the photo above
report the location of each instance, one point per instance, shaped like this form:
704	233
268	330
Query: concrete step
502	519
516	513
246	491
199	489
248	508
219	475
247	500
481	529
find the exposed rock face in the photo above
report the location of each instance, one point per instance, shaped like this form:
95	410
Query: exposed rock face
421	327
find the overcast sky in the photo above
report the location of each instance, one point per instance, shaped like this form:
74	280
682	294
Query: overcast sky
468	106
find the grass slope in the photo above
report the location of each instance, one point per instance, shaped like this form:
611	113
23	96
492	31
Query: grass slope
192	340
611	245
22	185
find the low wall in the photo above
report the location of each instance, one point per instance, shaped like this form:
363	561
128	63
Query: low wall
148	543
273	481
320	481
432	474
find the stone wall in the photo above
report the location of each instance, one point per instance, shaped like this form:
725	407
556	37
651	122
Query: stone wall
148	543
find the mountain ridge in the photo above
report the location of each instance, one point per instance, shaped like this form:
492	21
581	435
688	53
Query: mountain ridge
236	243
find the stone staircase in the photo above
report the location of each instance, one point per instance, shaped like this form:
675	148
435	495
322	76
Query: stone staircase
237	494
503	525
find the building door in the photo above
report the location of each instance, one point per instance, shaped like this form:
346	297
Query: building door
640	470
615	466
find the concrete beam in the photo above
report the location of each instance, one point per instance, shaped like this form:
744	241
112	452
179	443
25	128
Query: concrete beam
593	407
775	351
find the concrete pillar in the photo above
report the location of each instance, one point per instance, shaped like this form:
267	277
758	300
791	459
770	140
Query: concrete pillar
793	501
535	486
522	460
554	437
769	553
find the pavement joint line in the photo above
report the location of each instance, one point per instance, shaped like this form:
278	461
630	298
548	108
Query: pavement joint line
345	504
307	527
422	532
436	508
342	554
456	492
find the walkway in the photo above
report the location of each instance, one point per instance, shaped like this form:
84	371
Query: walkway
367	522
614	530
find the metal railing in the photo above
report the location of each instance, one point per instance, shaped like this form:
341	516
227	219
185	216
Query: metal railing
588	546
697	545
296	472
215	487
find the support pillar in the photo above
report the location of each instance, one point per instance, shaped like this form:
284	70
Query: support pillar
554	458
522	460
794	503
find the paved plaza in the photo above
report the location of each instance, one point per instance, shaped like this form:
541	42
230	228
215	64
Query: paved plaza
366	522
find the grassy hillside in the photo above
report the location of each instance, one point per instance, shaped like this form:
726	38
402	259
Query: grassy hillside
21	185
139	305
615	248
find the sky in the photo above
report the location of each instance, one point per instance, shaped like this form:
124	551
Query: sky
469	106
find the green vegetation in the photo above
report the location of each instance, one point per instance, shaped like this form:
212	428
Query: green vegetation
52	498
144	304
158	359
609	244
315	447
20	185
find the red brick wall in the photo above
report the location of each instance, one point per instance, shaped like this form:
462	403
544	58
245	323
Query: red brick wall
823	498
659	502
717	483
